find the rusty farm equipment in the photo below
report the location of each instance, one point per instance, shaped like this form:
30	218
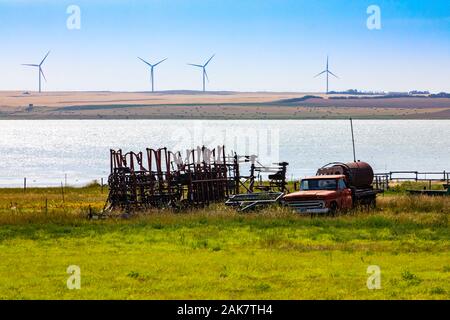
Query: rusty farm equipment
160	178
260	193
163	178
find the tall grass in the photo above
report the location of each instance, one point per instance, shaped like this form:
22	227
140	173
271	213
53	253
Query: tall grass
216	252
415	203
46	205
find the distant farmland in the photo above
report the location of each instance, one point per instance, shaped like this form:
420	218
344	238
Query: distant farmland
216	105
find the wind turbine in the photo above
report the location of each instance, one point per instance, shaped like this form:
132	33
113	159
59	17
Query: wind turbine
327	71
40	69
204	70
152	66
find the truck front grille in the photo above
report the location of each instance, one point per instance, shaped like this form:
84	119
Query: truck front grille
303	205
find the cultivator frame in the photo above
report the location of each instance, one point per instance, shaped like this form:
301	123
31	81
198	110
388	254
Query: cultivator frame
167	180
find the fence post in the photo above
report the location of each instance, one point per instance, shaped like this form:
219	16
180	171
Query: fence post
62	191
24	184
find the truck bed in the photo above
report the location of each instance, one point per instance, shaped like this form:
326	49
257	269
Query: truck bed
363	193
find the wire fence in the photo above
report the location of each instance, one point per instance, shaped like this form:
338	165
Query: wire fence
382	180
42	182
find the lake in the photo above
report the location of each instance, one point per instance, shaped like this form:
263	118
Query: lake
48	152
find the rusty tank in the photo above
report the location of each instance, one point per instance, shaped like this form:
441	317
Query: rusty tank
359	174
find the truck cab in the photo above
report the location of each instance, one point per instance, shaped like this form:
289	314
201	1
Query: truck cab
321	194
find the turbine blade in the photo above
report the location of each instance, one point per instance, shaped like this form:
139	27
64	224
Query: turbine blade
145	62
320	73
31	65
332	74
209	60
44	58
206	74
195	65
42	72
160	62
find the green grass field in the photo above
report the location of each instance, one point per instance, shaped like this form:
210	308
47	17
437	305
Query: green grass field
216	253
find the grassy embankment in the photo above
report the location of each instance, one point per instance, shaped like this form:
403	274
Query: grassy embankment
218	253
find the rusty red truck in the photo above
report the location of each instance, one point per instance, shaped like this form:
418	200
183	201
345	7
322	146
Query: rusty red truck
336	186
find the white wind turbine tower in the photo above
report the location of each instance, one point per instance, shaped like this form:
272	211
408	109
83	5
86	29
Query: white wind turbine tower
152	66
327	71
205	75
40	69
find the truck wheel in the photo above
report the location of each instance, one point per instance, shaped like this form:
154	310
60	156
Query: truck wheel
333	208
373	203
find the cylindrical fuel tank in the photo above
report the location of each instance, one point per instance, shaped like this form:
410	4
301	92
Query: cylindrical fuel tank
360	174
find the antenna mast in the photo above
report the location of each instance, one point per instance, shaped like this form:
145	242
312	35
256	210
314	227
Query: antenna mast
353	140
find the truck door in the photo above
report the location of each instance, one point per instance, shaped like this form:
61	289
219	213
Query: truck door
346	195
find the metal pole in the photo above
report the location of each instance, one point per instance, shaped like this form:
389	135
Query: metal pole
203	79
353	140
153	86
62	191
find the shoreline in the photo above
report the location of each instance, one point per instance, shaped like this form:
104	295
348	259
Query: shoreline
215	119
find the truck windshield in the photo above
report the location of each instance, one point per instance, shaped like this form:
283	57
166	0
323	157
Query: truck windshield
319	184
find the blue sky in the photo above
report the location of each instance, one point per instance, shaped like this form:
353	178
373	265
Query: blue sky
260	45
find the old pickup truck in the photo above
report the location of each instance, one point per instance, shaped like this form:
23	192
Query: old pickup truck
336	186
